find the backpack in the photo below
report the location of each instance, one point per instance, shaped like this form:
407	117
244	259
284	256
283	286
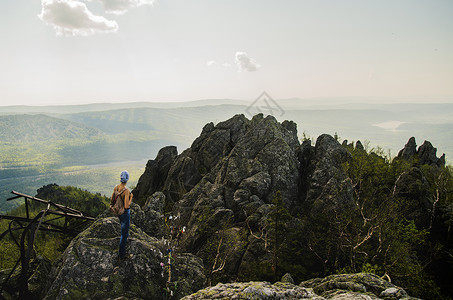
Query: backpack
116	203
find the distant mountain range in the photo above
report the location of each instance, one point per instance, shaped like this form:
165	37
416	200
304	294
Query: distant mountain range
38	128
62	143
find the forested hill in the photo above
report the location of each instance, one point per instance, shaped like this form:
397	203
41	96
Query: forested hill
38	128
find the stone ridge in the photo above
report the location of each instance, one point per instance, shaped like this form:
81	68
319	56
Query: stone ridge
228	179
426	153
254	290
345	286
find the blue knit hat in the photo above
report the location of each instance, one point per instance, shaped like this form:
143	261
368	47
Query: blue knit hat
124	177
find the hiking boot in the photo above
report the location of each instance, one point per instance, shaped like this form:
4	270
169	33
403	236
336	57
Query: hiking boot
125	257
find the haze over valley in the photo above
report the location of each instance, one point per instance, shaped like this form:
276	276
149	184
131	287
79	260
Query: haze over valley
88	145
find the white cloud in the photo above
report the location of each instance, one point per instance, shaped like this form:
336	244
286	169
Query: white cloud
70	17
245	63
211	63
119	7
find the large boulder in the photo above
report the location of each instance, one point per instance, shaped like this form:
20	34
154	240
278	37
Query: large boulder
90	268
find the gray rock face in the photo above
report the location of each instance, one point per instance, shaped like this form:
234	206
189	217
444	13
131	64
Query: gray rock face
354	286
90	269
214	143
150	218
328	186
254	290
156	171
230	175
359	146
409	150
260	159
426	154
361	286
150	221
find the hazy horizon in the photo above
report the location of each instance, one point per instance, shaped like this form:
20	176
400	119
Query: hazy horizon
321	101
70	52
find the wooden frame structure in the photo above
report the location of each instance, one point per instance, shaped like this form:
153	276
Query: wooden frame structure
29	227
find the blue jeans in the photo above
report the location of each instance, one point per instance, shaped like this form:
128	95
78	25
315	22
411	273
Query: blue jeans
125	220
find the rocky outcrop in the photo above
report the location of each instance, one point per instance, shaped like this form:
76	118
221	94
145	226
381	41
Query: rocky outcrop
356	286
359	146
426	154
214	143
254	290
223	187
148	218
413	186
90	268
409	150
257	162
329	188
156	171
346	286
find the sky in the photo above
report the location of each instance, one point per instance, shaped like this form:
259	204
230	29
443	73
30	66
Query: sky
90	51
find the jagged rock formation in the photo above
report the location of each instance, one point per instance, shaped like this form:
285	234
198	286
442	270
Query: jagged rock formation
156	171
148	218
329	189
426	154
359	146
413	186
345	286
409	150
225	183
